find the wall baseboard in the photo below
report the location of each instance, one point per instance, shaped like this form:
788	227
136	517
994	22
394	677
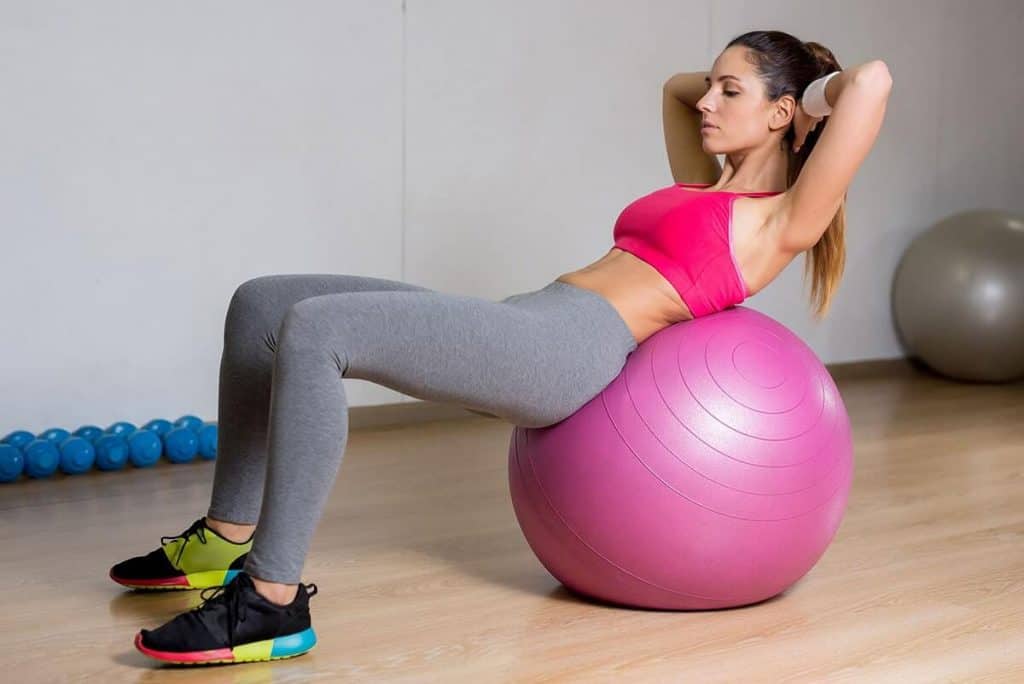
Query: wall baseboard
873	368
411	412
404	413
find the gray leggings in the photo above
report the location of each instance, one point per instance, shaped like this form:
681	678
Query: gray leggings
531	359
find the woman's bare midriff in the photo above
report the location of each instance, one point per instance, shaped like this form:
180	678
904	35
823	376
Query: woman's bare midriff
643	297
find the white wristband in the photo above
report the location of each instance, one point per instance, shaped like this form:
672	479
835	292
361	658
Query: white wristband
813	101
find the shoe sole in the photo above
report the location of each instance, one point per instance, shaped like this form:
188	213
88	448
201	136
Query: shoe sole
258	651
195	580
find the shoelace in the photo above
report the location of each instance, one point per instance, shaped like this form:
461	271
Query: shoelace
196	528
230	596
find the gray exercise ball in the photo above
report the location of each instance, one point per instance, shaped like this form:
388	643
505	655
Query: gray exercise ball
958	296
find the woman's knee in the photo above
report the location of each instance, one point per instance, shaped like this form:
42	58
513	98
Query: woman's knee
251	294
251	314
304	331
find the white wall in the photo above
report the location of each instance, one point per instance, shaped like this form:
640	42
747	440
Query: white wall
154	156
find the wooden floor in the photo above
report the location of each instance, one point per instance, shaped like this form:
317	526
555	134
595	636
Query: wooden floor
425	576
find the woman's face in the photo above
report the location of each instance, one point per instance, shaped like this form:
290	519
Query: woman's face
735	105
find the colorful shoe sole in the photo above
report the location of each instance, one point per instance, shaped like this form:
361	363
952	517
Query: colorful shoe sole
196	580
258	651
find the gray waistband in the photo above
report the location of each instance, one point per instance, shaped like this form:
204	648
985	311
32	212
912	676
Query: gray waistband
568	289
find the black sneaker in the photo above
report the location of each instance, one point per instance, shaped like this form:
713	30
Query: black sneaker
234	624
195	559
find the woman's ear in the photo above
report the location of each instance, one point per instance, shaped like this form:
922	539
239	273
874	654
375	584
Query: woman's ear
782	112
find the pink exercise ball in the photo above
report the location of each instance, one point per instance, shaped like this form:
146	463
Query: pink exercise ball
713	472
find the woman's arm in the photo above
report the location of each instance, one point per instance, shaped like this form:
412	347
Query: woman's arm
809	205
684	143
689	87
837	85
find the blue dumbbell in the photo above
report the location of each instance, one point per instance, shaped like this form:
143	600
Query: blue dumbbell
89	432
41	458
144	448
122	428
18	439
12	463
77	455
208	441
181	445
191	422
111	452
55	435
158	425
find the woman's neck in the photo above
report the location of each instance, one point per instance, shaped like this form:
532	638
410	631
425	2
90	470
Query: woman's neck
758	170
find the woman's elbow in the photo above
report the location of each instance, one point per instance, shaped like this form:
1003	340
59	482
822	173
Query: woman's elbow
876	73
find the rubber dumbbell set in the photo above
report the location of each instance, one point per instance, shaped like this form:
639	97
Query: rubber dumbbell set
42	455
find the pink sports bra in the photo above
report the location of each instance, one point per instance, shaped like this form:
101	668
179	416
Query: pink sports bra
687	236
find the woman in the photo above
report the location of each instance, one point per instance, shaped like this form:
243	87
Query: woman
534	358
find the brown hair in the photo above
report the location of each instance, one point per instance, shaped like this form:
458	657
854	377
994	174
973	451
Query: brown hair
786	66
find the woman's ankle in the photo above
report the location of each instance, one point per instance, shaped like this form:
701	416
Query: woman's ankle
275	592
234	532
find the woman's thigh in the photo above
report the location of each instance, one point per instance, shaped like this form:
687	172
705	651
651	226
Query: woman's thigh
259	305
279	290
532	359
